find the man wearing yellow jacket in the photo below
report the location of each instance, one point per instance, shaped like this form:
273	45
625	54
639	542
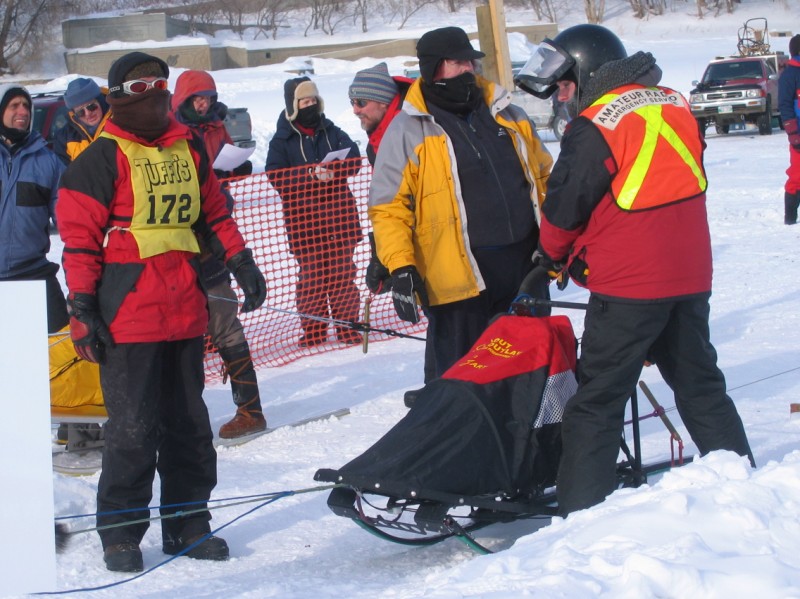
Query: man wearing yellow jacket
455	196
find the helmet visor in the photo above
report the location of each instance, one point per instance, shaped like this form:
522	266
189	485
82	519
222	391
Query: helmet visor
544	68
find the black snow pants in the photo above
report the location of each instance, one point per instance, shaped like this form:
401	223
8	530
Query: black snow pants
618	337
157	420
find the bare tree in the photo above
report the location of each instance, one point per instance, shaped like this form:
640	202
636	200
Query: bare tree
594	9
26	30
270	16
405	9
360	12
645	8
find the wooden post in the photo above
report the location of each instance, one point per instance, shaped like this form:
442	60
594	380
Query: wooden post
494	43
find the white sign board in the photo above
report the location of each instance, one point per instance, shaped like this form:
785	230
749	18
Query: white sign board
26	504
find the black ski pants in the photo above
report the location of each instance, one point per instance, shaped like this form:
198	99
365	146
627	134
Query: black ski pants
618	338
157	420
456	326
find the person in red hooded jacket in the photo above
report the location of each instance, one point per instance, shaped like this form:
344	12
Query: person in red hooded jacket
130	210
195	104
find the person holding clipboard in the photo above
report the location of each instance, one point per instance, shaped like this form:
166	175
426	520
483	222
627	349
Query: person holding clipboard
307	164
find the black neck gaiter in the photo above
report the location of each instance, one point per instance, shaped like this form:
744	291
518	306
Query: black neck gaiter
145	115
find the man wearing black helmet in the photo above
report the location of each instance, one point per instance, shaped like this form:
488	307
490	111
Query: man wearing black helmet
625	216
455	196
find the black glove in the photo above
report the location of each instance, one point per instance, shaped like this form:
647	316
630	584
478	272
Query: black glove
407	289
377	278
90	335
555	269
249	278
791	129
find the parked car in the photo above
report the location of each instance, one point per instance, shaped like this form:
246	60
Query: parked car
738	90
50	114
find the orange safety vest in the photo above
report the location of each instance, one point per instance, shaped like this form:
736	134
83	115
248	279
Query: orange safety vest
655	143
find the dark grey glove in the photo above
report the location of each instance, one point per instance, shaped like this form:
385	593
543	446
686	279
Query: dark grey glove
377	277
249	278
89	333
408	292
555	269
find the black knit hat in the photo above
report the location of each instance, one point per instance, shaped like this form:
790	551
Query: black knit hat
438	44
132	66
794	45
8	93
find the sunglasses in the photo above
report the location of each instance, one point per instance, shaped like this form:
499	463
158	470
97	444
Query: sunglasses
81	112
139	86
358	102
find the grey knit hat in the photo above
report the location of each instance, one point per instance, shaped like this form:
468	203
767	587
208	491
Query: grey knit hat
375	84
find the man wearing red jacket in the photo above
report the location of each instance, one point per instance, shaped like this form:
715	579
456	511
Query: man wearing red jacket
129	209
626	210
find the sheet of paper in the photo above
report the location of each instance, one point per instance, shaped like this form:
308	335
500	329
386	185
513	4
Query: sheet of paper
231	156
336	155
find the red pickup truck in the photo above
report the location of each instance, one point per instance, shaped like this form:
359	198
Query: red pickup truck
738	90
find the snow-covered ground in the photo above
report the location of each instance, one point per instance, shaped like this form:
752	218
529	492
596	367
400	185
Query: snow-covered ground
714	528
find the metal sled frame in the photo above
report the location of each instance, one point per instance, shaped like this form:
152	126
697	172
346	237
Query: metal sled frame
440	516
422	521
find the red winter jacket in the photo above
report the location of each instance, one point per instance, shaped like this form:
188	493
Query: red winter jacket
143	300
212	126
647	255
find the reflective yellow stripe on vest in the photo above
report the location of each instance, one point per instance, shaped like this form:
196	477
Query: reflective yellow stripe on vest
648	104
166	196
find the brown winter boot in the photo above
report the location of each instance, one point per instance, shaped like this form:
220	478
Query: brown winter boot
249	418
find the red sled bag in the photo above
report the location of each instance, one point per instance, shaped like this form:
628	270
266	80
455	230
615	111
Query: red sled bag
489	426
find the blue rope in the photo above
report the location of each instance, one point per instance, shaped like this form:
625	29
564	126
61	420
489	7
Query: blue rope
168	560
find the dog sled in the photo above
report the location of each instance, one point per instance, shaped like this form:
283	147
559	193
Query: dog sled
481	444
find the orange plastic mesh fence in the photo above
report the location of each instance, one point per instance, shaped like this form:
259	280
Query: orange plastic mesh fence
316	216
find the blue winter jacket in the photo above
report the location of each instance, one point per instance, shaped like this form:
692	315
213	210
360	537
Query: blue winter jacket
316	211
28	191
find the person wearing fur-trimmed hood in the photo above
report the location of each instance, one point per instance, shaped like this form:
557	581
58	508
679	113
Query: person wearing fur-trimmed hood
320	214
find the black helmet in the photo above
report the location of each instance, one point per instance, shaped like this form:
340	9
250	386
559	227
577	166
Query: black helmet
575	54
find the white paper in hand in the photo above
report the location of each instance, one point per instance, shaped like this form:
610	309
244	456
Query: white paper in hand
336	155
231	156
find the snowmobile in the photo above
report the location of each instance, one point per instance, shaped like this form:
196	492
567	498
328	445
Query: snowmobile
481	444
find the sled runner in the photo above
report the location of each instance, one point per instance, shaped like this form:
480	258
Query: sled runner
480	445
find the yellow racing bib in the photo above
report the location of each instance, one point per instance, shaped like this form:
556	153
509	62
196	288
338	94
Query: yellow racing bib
166	196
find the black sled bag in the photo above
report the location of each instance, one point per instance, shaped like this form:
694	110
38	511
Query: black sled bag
489	425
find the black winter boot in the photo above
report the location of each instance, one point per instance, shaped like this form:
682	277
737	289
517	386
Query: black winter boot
249	417
791	201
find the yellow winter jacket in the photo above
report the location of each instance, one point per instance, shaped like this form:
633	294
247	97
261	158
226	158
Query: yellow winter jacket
415	202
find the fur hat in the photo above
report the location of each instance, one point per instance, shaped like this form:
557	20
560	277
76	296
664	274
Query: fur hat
81	91
374	84
447	42
794	45
295	90
133	65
